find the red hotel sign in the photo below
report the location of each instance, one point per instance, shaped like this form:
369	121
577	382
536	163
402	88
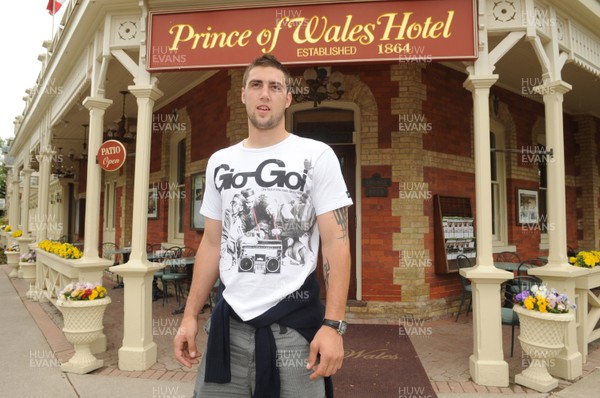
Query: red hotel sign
418	30
111	155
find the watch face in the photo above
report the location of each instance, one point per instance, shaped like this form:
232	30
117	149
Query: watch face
342	327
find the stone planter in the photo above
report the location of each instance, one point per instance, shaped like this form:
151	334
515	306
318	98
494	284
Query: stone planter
83	324
27	272
542	337
12	259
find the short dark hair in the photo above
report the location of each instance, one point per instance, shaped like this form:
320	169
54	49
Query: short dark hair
267	60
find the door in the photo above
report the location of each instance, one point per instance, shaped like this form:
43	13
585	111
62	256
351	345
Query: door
110	204
346	156
336	128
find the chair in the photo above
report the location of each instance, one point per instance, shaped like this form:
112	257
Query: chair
187	251
528	264
508	257
509	290
151	247
108	252
463	261
173	252
213	295
175	271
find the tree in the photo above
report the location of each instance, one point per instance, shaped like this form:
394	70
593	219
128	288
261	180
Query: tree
2	175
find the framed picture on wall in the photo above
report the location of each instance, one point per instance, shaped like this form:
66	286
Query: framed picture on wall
153	202
197	219
527	207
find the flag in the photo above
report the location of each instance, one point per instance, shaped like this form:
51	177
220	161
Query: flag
53	6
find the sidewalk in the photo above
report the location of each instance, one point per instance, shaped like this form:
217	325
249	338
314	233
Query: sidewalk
32	340
35	346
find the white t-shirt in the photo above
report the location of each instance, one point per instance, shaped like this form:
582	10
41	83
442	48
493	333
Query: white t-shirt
268	200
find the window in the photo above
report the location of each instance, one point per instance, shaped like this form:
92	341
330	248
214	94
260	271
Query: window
498	187
176	188
542	192
110	204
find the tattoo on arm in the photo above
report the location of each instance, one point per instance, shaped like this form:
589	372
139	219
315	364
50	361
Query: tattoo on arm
326	268
341	217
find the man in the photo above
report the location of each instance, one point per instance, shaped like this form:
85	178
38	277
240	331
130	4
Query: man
270	311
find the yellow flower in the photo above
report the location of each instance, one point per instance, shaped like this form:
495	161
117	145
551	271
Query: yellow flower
529	302
93	294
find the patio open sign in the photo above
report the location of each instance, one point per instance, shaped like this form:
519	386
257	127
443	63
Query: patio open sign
111	155
325	33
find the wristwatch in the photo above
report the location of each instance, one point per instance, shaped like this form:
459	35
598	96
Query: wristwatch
340	326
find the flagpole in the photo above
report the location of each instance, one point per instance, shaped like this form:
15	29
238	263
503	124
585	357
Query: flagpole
53	12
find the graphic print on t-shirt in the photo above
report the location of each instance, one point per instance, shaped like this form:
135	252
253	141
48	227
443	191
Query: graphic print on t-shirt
270	218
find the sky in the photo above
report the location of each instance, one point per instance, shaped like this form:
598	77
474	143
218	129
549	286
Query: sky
25	25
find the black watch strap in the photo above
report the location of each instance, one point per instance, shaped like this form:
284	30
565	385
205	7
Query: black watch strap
339	326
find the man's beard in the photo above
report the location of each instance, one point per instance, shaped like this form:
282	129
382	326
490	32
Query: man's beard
267	124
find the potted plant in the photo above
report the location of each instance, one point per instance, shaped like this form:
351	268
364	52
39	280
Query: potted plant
27	266
586	259
64	250
543	317
12	259
82	305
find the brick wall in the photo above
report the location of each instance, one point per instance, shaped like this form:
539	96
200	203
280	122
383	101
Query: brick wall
437	159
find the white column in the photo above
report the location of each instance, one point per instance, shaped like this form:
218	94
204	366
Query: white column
487	365
13	217
139	351
45	158
96	106
25	201
558	273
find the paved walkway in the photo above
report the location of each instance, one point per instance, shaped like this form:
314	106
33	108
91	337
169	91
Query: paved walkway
31	338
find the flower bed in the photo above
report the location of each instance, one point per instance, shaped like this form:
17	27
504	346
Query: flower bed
28	257
64	250
540	298
586	259
82	291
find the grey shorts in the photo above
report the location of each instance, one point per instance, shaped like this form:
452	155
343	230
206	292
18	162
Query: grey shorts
292	356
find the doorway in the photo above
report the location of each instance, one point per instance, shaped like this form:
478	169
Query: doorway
336	127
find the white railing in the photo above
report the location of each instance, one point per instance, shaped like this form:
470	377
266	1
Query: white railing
588	309
55	272
586	49
573	37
